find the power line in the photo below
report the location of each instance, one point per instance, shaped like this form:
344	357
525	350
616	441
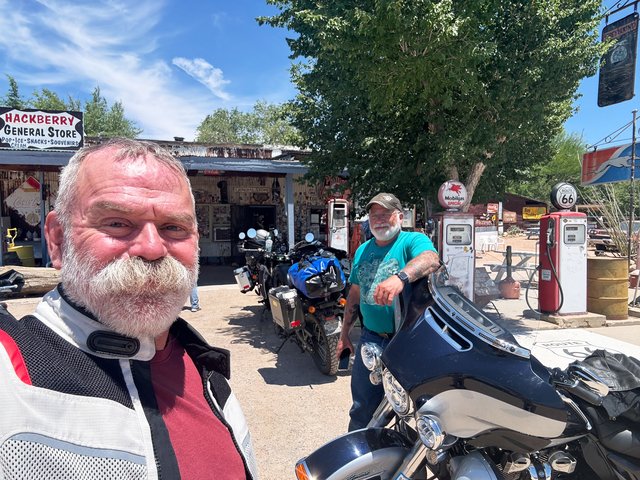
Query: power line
610	137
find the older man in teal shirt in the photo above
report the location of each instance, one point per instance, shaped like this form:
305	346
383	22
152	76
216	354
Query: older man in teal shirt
381	268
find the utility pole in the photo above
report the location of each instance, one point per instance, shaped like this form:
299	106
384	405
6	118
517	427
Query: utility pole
632	189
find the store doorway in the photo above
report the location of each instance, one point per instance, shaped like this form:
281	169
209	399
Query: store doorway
244	217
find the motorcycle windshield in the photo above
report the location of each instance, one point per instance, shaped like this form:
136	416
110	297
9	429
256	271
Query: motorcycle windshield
448	344
464	313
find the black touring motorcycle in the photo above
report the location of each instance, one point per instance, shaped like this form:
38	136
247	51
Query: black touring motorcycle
305	289
464	401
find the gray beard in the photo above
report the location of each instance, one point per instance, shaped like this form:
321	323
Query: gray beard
132	296
387	234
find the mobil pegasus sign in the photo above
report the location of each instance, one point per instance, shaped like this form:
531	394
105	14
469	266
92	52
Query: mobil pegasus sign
22	129
609	165
452	195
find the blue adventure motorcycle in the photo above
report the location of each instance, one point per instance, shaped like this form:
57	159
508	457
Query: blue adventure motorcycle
305	290
307	305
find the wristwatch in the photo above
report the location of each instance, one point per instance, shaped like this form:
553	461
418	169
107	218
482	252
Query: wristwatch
404	277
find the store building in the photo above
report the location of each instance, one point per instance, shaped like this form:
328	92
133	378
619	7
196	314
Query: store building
236	187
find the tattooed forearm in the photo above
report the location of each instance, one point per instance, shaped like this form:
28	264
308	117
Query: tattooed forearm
422	265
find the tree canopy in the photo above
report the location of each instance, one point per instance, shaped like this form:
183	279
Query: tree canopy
405	94
99	118
563	165
265	124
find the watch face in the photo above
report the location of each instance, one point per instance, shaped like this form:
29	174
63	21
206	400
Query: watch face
403	276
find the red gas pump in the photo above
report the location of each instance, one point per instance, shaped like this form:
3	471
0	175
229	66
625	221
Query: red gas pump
563	256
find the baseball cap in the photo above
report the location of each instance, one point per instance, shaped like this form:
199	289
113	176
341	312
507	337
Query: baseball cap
386	200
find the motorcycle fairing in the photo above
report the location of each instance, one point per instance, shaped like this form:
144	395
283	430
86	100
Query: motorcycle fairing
362	454
469	365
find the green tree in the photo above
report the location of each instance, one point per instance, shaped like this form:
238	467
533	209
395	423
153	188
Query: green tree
563	165
13	98
102	120
46	99
405	94
266	124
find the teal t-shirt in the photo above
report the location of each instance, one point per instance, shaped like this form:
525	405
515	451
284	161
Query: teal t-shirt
373	264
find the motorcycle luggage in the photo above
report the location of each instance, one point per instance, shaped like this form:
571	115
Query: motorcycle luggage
317	276
243	279
286	308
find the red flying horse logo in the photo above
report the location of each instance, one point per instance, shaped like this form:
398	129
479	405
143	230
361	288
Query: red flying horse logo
456	188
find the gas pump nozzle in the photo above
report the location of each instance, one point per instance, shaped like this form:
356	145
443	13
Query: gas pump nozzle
550	233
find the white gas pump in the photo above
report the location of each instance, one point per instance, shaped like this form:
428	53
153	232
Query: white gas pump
338	224
563	256
456	237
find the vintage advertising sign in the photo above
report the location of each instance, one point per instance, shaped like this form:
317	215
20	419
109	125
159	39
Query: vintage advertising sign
452	195
618	65
40	129
509	217
533	213
26	201
609	165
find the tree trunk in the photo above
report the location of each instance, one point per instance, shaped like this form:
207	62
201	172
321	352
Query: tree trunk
472	181
37	280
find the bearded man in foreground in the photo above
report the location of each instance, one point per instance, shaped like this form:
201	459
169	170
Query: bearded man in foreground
105	380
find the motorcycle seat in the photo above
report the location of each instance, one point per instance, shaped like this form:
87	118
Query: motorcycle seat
618	435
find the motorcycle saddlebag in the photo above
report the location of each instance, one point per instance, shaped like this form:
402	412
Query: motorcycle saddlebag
243	279
286	308
317	276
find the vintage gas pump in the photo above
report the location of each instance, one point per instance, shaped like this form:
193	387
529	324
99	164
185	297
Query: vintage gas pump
456	237
563	256
338	224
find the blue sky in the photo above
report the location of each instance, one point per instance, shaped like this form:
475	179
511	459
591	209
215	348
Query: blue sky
171	62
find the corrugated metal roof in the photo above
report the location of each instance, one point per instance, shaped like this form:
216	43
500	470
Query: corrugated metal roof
50	159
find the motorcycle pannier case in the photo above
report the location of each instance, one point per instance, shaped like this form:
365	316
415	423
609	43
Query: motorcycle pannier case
243	279
286	308
317	276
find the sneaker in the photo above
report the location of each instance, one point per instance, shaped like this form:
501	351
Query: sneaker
195	309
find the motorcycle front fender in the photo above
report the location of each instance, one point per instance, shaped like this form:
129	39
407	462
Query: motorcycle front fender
361	454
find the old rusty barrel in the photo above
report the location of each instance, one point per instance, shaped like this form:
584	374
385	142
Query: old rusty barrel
608	287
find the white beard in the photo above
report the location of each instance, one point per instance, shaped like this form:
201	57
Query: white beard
132	296
387	233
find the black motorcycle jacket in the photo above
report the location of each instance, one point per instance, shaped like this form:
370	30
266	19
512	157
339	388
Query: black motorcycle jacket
76	400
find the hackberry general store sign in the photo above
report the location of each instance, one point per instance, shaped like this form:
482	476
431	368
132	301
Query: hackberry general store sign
40	129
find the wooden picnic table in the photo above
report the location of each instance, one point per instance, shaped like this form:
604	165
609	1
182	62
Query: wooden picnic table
519	261
533	232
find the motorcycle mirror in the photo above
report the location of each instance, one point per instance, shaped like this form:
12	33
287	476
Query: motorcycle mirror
241	235
309	237
251	233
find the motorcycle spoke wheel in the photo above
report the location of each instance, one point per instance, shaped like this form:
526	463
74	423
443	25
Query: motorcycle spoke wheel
324	348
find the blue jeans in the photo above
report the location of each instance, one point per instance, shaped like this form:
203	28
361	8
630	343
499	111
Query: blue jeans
366	396
195	301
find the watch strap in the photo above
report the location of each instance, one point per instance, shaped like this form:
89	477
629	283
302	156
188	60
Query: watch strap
403	277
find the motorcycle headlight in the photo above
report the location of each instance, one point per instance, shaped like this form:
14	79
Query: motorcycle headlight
371	353
396	395
430	431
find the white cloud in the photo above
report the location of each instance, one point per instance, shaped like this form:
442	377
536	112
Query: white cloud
205	73
113	45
